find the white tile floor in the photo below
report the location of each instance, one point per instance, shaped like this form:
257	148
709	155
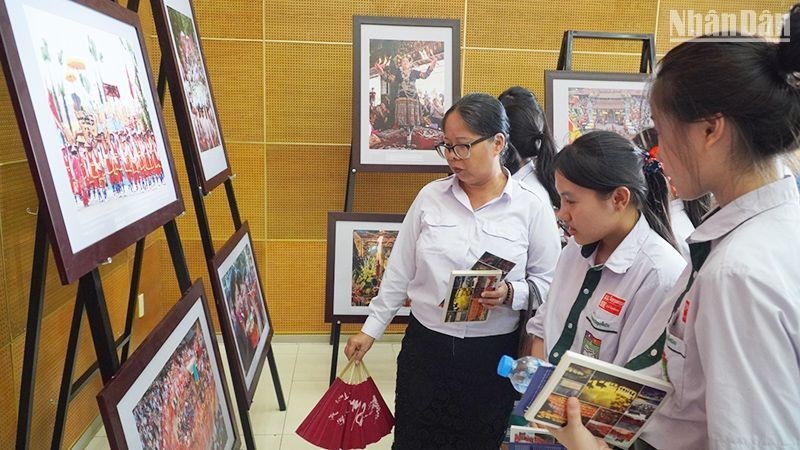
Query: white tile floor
304	369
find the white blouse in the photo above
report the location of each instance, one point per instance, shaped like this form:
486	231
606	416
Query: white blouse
634	284
441	233
733	341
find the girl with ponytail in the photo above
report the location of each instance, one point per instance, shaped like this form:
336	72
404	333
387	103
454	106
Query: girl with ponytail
532	143
727	111
621	261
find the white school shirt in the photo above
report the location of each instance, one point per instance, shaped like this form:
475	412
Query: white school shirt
681	226
441	233
527	176
733	342
633	285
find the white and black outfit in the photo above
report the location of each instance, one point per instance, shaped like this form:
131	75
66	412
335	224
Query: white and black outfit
448	393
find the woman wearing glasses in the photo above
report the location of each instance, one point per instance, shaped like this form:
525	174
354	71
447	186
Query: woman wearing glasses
448	394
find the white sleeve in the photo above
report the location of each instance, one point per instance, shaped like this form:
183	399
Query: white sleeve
399	273
544	246
535	325
747	339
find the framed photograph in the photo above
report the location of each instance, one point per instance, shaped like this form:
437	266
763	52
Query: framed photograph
192	97
406	75
91	123
171	392
579	102
242	309
359	246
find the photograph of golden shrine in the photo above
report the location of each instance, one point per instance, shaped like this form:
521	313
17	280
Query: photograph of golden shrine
371	250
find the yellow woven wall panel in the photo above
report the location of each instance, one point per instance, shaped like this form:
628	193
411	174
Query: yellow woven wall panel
5	327
18	233
82	411
295	288
238	19
236	71
389	192
702	7
331	21
9	387
526	69
308	93
10	141
303	184
247	164
52	349
540	25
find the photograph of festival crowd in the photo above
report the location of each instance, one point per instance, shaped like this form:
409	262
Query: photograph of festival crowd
406	94
86	108
371	250
245	306
195	82
95	97
243	314
171	392
180	409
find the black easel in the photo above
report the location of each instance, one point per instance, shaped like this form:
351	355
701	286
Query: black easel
648	60
198	199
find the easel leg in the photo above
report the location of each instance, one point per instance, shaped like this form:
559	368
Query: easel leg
276	379
178	257
337	331
91	289
65	393
32	334
132	295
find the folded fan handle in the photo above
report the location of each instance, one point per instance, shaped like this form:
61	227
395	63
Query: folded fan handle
354	372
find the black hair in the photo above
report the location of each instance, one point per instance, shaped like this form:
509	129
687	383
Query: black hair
603	161
484	115
696	208
530	137
753	83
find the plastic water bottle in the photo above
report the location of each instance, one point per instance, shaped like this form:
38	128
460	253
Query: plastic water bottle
520	371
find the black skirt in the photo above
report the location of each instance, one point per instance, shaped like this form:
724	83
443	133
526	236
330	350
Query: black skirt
449	395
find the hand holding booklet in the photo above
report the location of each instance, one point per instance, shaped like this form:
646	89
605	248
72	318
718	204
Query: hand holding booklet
616	403
462	303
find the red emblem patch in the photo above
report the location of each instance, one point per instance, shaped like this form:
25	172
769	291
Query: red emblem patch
685	310
612	303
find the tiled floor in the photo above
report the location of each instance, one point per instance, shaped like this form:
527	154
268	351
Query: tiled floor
304	369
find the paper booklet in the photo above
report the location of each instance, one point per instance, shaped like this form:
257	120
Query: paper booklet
527	438
616	403
462	302
488	261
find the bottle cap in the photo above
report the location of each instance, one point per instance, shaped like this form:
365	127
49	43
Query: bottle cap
505	366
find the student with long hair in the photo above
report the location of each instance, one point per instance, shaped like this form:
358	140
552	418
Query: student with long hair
726	111
532	143
621	260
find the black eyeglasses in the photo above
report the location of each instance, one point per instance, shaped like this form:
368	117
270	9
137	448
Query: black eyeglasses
461	151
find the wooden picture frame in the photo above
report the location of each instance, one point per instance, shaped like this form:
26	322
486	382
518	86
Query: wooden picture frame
176	367
406	75
242	309
349	289
190	88
619	100
91	123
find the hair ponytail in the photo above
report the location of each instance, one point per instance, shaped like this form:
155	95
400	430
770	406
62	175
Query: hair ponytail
530	137
656	206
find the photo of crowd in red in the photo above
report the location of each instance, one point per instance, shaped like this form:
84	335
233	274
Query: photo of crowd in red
195	82
621	111
181	409
95	98
406	94
246	309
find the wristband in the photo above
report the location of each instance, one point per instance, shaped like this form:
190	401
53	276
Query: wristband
509	293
